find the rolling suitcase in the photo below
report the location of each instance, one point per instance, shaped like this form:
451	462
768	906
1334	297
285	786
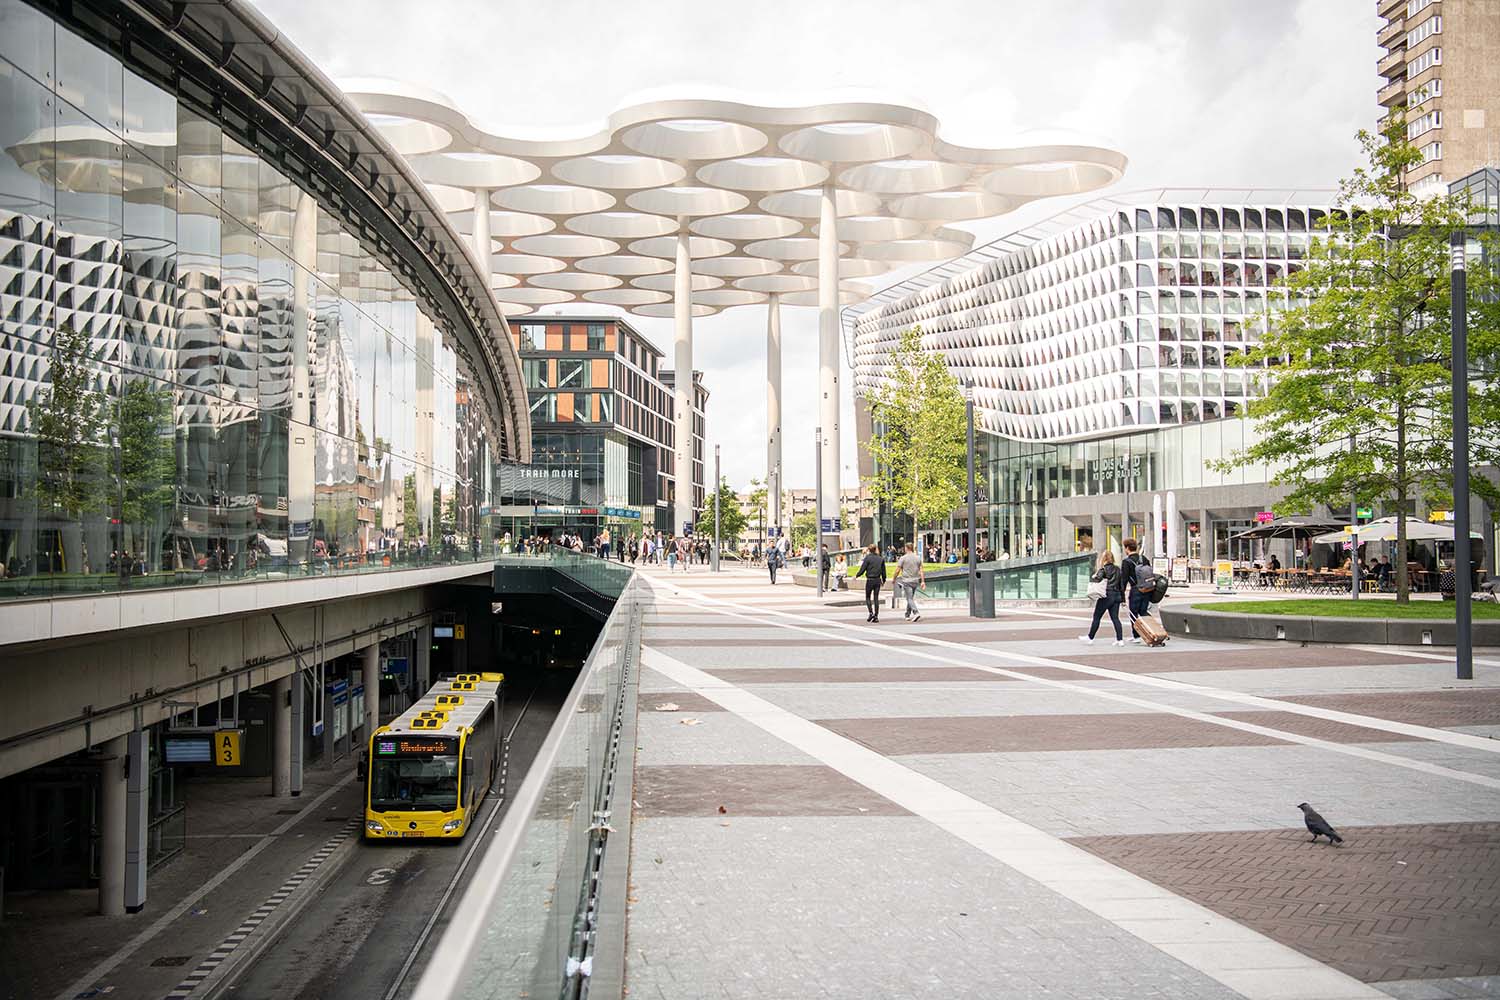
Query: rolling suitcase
1149	629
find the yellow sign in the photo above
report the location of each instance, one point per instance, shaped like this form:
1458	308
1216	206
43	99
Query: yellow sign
458	631
227	748
1223	575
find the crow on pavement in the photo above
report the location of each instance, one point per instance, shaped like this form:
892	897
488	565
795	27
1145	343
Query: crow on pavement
1317	825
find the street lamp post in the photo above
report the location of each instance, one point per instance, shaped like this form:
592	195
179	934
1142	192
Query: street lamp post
968	390
718	497
1462	574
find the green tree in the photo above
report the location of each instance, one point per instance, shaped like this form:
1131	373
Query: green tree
731	518
68	418
919	443
148	466
1354	385
804	529
411	522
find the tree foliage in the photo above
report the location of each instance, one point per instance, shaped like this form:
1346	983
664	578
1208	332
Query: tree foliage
919	443
731	518
69	420
804	529
1355	374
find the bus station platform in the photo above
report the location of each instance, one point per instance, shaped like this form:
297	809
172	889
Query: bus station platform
964	808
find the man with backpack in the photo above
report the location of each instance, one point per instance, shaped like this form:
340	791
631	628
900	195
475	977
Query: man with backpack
1140	582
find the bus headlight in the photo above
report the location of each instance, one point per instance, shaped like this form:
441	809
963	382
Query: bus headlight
452	824
375	826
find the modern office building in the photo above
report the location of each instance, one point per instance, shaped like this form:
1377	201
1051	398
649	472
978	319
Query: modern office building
601	408
251	385
1099	344
1441	62
700	428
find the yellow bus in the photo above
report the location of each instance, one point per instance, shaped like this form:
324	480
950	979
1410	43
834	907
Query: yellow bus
430	768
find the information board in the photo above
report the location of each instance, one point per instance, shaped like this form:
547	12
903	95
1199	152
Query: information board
227	748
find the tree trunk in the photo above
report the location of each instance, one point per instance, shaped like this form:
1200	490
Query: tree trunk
1403	577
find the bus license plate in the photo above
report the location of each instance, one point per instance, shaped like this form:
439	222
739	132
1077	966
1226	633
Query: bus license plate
411	833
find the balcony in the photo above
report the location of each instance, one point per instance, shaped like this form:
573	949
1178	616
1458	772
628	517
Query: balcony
1385	8
1393	30
1392	64
1392	94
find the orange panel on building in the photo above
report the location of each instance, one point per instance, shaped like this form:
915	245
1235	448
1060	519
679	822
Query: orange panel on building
600	374
554	337
578	337
594	407
565	407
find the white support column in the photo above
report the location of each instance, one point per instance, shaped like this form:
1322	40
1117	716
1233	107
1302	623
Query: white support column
482	248
371	666
682	384
828	354
423	658
773	406
112	826
281	736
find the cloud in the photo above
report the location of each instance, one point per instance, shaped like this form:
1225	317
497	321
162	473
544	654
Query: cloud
1263	94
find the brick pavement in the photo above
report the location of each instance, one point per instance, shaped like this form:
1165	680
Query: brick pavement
1395	902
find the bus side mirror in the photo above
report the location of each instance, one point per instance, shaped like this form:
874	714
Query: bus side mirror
363	769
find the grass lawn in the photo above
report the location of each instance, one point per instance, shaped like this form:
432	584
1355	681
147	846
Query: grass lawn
1336	608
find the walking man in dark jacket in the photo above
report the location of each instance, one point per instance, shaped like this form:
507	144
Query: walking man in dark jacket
872	568
1135	570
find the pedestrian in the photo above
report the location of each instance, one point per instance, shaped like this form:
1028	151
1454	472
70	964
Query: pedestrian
910	576
604	544
825	567
872	568
684	551
672	558
1105	589
1135	572
773	562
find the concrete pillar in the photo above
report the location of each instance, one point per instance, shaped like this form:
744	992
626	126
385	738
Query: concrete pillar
112	826
773	406
482	248
1205	540
1158	545
828	354
682	390
371	665
1174	527
423	660
281	737
1098	529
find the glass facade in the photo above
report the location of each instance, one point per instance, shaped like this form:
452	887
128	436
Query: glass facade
205	374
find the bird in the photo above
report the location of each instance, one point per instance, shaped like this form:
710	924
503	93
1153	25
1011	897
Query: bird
1317	825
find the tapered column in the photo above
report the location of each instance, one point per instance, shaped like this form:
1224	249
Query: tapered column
371	666
682	384
482	248
828	352
300	444
773	406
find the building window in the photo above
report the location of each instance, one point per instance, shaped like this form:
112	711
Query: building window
572	373
1432	57
1415	7
596	336
1424	123
1432	88
534	371
1432	151
1432	26
532	336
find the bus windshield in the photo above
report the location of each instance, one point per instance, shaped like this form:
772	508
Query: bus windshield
416	778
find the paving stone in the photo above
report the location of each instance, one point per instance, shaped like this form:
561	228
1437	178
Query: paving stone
1032	733
753	790
1394	902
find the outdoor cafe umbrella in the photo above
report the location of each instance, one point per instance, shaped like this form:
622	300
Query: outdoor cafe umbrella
1295	526
1384	530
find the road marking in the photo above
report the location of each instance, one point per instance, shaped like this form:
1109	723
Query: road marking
1240	958
106	965
227	947
1350	718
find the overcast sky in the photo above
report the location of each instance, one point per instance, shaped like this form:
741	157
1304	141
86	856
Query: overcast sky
1221	93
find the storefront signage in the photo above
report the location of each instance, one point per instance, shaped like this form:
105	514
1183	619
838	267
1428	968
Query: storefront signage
1115	468
569	511
1364	512
1264	516
625	512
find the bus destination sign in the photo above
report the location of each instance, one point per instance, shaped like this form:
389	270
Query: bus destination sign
401	745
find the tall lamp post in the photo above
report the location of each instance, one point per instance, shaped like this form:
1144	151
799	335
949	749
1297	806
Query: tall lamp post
968	391
1462	573
718	497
